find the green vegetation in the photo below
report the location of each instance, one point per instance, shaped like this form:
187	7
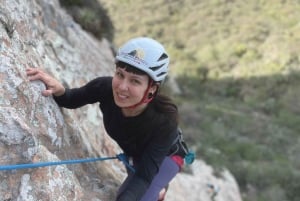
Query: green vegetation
238	65
91	16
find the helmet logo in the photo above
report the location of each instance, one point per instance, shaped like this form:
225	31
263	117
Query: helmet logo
138	53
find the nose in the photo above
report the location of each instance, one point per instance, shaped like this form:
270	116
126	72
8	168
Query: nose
123	85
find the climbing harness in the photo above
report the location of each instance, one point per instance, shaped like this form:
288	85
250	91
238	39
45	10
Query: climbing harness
180	148
122	157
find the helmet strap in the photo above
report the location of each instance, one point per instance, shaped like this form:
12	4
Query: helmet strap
146	98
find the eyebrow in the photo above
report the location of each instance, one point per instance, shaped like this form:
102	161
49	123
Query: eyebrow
134	75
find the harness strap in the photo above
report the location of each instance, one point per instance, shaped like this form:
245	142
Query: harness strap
180	148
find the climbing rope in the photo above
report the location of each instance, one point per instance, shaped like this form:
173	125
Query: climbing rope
121	157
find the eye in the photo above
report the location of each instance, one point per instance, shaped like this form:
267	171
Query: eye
119	74
135	81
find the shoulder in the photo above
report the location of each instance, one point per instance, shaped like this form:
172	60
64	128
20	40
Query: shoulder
99	84
164	123
165	110
99	88
100	81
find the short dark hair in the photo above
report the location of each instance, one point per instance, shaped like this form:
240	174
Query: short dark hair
129	68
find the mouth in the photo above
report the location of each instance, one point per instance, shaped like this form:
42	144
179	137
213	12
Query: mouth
121	96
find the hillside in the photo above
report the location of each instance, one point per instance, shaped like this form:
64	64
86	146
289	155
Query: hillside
237	63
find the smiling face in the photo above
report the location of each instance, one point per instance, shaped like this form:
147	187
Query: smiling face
129	89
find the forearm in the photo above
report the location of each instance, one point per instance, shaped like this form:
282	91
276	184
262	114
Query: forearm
71	99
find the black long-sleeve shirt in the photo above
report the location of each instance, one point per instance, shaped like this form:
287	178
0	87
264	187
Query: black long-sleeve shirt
147	137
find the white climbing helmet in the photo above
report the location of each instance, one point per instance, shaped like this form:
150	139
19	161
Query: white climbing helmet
147	55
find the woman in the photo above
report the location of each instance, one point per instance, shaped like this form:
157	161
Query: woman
141	120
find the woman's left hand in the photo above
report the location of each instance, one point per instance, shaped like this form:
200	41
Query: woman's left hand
53	87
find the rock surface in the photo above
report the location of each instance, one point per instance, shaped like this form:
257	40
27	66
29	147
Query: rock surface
201	184
39	33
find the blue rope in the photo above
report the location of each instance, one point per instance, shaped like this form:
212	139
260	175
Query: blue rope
124	159
44	164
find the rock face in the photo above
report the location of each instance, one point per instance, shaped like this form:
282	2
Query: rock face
33	128
200	184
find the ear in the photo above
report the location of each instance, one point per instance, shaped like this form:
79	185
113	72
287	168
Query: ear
154	88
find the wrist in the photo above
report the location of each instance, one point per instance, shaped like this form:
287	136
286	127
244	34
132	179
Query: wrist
60	92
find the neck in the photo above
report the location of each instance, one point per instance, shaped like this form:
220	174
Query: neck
131	112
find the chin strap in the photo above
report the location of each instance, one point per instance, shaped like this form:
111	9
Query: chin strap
145	99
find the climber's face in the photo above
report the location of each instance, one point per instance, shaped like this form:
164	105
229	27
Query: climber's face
128	88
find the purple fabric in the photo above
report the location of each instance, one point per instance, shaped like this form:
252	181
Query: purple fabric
167	172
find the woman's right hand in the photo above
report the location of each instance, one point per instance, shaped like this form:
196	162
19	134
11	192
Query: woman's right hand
53	87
